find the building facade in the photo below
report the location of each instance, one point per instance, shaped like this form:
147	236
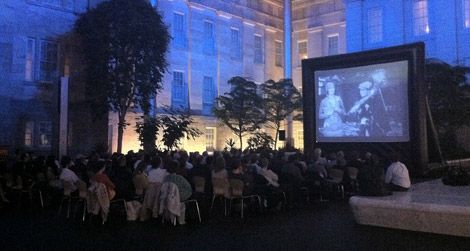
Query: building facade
212	42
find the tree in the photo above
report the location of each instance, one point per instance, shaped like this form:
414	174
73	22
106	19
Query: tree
260	140
148	128
281	99
175	125
449	100
241	108
124	44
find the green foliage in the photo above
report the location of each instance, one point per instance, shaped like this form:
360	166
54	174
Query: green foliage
281	99
124	44
260	140
230	143
147	128
241	108
176	124
449	101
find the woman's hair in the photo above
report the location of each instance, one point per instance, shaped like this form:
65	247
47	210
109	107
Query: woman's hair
263	162
236	163
172	166
156	162
219	164
65	161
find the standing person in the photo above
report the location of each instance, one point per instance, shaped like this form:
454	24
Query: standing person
331	110
397	176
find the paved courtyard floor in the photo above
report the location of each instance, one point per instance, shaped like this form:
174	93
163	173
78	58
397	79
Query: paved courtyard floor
317	226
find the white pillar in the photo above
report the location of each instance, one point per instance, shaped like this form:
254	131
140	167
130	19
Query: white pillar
288	59
63	116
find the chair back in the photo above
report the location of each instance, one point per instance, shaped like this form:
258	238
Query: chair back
352	172
140	183
237	187
82	189
199	184
67	187
336	175
219	186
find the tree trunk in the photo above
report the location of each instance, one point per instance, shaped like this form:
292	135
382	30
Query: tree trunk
241	142
121	124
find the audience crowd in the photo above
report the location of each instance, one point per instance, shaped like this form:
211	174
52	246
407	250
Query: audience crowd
281	179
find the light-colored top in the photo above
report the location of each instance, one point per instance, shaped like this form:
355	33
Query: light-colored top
397	174
68	175
157	175
270	176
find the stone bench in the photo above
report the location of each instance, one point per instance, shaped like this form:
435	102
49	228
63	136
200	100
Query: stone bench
427	207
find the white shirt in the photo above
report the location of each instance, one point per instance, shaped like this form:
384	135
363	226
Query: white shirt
397	174
69	176
157	175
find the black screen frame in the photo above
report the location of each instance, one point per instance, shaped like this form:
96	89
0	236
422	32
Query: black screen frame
414	151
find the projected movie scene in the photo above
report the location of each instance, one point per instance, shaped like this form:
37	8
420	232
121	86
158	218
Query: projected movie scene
362	104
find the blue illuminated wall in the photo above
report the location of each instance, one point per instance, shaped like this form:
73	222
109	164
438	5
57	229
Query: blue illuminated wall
447	37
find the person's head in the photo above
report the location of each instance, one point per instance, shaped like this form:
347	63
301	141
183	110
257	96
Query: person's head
172	166
364	88
378	76
219	164
156	162
317	153
263	163
99	166
66	162
330	88
237	164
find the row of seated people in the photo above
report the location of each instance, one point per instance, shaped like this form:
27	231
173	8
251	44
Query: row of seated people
264	174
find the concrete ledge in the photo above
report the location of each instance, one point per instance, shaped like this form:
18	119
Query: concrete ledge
428	207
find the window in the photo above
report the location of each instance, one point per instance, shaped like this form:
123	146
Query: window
154	3
209	40
420	17
48	61
29	66
45	133
210	138
235	53
258	57
28	133
466	13
208	95
278	58
333	45
179	34
299	139
374	25
302	50
179	92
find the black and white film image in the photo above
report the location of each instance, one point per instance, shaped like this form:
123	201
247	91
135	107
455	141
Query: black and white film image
363	104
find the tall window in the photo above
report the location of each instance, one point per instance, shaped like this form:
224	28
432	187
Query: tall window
278	58
374	25
300	139
28	133
210	138
179	92
48	61
420	17
258	57
302	50
466	13
235	52
208	95
179	31
45	133
333	44
29	66
209	41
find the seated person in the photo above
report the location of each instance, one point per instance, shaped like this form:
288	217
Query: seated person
371	179
67	175
158	172
184	188
101	177
397	176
